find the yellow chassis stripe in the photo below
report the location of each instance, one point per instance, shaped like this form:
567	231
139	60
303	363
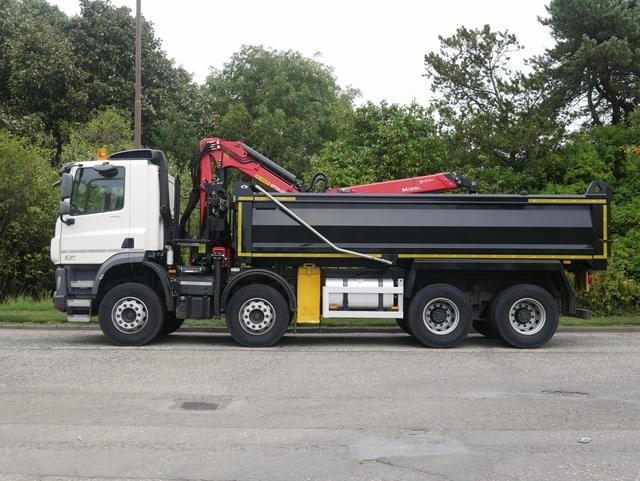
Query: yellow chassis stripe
567	201
498	256
605	232
239	227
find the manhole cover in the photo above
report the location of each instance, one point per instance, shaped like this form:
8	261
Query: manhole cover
198	406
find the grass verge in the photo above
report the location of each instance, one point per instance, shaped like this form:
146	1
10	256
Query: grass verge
28	311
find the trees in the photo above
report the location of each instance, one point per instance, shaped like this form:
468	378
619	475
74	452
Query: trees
492	115
109	128
186	120
595	64
27	209
279	102
40	69
382	142
103	39
63	69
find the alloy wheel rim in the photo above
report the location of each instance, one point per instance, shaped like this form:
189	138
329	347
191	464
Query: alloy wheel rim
257	316
441	316
527	316
130	315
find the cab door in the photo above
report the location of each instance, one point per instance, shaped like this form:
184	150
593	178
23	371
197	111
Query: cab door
98	225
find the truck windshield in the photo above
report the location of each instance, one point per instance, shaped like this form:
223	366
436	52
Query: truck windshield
93	192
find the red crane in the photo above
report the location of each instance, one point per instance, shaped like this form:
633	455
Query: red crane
229	154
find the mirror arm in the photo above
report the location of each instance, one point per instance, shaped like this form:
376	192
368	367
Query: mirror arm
69	221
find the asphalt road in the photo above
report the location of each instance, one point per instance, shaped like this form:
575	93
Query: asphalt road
318	407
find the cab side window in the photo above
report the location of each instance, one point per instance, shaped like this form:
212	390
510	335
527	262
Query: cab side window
96	191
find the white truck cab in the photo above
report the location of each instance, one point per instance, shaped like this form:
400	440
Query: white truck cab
110	212
113	208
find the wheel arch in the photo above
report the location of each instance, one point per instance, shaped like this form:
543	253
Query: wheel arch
263	276
132	267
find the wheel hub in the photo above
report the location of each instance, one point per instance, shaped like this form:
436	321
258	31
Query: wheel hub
441	316
523	316
257	316
527	316
438	315
129	315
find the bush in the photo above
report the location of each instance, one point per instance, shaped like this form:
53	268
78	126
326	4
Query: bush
109	128
27	215
612	293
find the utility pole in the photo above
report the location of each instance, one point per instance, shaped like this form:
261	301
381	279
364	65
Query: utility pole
137	121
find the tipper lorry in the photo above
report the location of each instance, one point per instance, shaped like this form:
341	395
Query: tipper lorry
270	252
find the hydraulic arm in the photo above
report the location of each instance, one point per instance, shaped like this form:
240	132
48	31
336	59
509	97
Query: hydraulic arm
217	155
236	155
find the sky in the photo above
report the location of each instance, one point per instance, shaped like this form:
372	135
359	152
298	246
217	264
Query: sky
375	46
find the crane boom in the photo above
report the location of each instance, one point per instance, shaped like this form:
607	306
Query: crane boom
236	155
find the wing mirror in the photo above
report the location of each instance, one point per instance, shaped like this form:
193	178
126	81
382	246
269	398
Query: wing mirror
65	209
66	186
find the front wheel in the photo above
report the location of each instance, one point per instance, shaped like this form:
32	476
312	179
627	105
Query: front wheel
440	316
131	314
257	316
525	316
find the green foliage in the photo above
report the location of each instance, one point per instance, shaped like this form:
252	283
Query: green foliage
30	127
67	88
183	124
491	115
279	102
29	310
40	69
382	142
596	59
27	210
108	128
63	69
49	82
574	165
103	39
613	293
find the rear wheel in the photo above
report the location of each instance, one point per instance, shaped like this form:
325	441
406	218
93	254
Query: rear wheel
131	314
257	316
525	316
440	316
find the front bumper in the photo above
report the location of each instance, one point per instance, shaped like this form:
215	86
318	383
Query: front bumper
61	292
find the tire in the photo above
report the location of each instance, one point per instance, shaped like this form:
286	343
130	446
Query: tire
131	314
525	316
403	324
257	316
426	321
485	328
171	324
